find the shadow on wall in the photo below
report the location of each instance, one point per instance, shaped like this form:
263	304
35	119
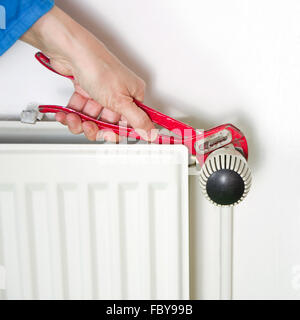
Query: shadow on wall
116	45
102	31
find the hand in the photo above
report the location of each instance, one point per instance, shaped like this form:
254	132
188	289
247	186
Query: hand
103	85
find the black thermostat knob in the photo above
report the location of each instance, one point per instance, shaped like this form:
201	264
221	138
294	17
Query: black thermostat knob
225	187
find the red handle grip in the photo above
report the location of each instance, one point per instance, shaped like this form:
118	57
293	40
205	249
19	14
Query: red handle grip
120	130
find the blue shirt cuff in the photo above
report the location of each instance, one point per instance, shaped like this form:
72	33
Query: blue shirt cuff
24	22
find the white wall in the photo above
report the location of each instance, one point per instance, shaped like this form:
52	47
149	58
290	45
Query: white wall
208	62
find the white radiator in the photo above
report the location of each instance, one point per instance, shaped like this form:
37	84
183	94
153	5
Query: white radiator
93	222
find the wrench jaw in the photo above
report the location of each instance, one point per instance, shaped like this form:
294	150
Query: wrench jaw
225	177
213	141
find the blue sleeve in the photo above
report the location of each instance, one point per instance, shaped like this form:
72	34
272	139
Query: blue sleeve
17	16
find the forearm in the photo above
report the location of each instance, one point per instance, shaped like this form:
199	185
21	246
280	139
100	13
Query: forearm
65	40
100	79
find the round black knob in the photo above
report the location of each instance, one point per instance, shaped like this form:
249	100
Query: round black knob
225	187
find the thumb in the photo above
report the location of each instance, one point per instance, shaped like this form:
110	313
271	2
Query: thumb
139	120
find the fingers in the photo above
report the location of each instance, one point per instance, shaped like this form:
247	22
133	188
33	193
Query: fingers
138	119
77	101
110	116
61	117
90	130
74	124
108	135
92	108
126	109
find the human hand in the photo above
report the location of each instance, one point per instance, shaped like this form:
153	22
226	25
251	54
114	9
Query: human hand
104	87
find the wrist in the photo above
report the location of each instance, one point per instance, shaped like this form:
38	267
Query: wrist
49	33
63	39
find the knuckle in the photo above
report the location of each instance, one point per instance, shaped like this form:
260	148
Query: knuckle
140	89
143	85
120	101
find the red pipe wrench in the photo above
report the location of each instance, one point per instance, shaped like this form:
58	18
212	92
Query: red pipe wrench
199	143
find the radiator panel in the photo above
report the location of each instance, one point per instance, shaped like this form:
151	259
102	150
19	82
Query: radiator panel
94	222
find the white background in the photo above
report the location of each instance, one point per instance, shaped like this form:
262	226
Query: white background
207	63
